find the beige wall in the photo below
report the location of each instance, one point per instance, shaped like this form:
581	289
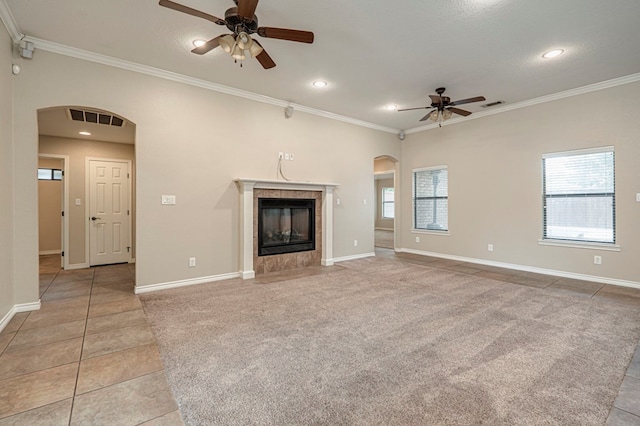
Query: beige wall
78	150
495	182
49	209
189	143
380	221
7	299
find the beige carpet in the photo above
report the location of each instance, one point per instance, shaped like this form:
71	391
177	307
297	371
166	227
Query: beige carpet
382	342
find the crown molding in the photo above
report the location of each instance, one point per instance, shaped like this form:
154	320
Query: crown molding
10	22
180	78
632	78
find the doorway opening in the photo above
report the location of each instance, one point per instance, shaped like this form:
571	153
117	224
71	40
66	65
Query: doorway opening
98	152
387	209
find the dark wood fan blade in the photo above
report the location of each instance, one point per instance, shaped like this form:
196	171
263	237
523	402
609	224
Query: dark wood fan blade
247	8
468	101
413	109
435	99
264	58
189	11
459	111
285	34
426	117
208	46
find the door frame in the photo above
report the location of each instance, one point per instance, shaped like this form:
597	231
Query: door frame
64	237
87	205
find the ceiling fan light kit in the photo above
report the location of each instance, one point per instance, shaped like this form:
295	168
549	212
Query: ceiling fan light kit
243	22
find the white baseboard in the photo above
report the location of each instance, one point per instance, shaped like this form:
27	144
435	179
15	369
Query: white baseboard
354	257
48	252
182	283
562	274
22	307
247	275
78	266
327	262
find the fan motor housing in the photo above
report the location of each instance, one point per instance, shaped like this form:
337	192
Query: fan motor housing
238	24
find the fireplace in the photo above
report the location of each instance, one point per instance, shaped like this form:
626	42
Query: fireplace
285	225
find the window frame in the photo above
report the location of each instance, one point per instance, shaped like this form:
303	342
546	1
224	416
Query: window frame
414	228
567	242
53	174
383	202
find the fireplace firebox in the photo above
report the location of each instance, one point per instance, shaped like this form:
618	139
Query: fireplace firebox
285	225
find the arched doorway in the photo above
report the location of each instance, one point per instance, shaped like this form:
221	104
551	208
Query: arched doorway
387	210
87	139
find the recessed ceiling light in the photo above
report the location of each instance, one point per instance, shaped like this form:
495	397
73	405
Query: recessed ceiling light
553	53
198	43
85	133
319	84
391	107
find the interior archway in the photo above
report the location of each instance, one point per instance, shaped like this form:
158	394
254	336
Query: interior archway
385	172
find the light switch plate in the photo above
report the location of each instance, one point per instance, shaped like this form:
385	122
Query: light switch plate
168	200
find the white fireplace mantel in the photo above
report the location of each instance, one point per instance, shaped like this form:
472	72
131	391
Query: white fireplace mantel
246	187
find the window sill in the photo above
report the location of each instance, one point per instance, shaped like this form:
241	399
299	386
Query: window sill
581	245
428	232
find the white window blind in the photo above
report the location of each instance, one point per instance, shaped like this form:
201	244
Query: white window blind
431	199
579	196
388	203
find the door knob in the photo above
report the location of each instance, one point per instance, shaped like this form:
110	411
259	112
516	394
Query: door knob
95	218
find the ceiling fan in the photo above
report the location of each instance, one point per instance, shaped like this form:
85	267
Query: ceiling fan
242	22
443	108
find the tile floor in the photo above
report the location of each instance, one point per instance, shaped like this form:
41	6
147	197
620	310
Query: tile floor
88	355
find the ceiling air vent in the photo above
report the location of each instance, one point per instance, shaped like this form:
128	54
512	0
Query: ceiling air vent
491	104
95	117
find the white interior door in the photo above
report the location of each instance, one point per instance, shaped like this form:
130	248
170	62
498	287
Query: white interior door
109	216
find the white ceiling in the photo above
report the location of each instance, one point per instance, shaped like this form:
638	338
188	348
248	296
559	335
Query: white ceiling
371	52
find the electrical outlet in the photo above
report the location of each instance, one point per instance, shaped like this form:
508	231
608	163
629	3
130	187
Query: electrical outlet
364	202
338	201
355	243
597	260
490	247
417	239
192	262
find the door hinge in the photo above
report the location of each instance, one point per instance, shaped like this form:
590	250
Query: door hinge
127	175
128	213
128	249
63	173
62	254
62	213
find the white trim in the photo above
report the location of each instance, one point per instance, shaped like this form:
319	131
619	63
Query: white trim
247	275
22	307
563	274
182	283
632	78
49	252
66	230
586	151
78	266
383	229
580	245
354	257
327	262
73	52
430	232
9	22
87	204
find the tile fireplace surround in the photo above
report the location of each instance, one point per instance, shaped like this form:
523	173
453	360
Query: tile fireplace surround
250	190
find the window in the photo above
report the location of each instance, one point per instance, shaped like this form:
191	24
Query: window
431	199
388	203
49	174
579	196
